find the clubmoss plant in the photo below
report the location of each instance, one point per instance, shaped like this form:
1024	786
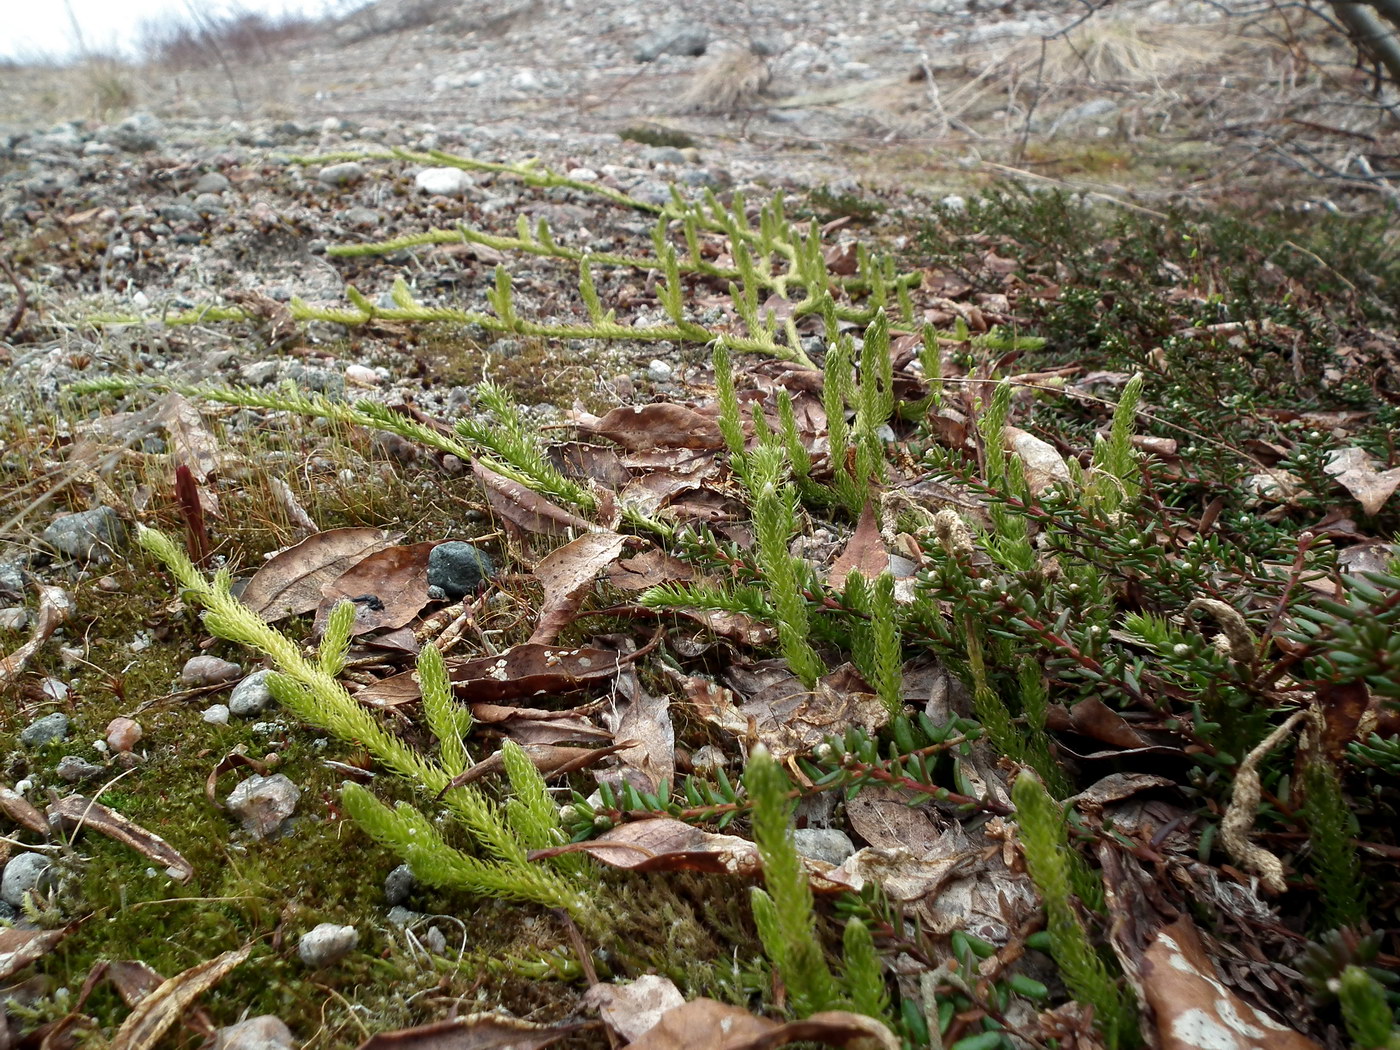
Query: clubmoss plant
785	914
1369	1018
1050	860
306	689
1332	832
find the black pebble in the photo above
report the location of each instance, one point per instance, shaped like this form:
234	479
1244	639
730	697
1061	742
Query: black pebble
458	569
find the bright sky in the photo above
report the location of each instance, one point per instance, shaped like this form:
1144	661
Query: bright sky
44	29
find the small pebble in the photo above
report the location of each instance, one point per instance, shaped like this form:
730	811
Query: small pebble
123	733
659	371
73	769
25	873
45	730
399	885
327	943
216	715
263	803
257	1033
445	182
250	696
208	670
13	619
346	174
458	569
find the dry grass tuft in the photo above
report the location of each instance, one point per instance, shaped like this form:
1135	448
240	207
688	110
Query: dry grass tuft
735	81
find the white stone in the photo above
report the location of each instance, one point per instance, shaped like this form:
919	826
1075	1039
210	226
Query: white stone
327	943
445	182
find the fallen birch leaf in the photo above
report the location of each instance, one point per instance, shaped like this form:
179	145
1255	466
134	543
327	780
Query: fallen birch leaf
78	811
153	1015
566	575
661	425
631	1010
523	507
865	553
1355	470
704	1024
474	1032
523	670
389	588
290	582
1194	1010
21	948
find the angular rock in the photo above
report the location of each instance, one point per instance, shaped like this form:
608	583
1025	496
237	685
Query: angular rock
261	804
326	944
89	535
73	769
266	1032
458	569
399	885
45	730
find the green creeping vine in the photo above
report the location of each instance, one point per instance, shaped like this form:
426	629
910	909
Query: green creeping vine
310	691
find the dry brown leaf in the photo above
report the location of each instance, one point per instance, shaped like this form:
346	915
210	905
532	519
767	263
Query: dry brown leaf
631	1010
389	588
884	817
21	948
1194	1010
523	508
153	1015
290	582
473	1032
651	568
704	1024
661	425
55	606
567	574
20	810
532	725
522	670
787	717
1355	470
78	811
665	844
645	719
191	443
865	553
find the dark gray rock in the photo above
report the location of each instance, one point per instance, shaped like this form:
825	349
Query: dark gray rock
45	730
138	133
89	535
662	155
673	38
399	885
458	569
